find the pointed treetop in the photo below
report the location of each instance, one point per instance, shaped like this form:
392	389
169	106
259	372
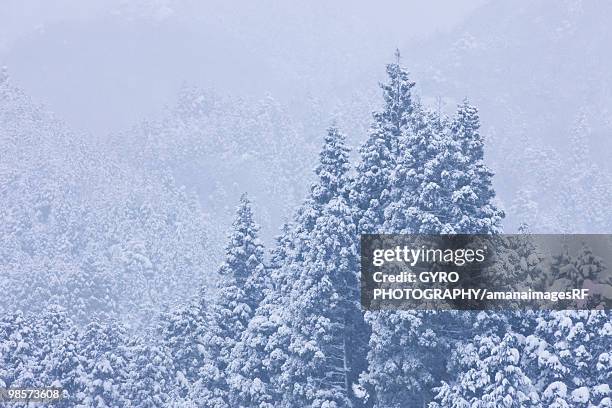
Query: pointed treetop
243	237
466	108
466	127
4	77
244	214
397	56
244	199
397	94
333	167
244	252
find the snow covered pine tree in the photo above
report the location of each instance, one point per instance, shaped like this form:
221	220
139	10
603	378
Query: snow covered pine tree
437	184
244	283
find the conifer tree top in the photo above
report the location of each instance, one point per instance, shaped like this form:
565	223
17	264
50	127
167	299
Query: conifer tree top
466	127
332	168
391	121
244	252
397	94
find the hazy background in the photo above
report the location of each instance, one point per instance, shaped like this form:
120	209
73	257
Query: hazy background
104	65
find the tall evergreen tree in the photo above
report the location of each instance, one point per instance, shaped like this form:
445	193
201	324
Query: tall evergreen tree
244	283
380	153
473	195
244	257
303	346
326	308
438	184
257	358
327	324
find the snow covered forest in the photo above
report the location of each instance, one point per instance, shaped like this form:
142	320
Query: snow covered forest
209	256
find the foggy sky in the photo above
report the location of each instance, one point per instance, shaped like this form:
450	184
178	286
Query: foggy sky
103	66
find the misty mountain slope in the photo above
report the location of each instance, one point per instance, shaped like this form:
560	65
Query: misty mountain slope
106	65
85	229
538	72
223	146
